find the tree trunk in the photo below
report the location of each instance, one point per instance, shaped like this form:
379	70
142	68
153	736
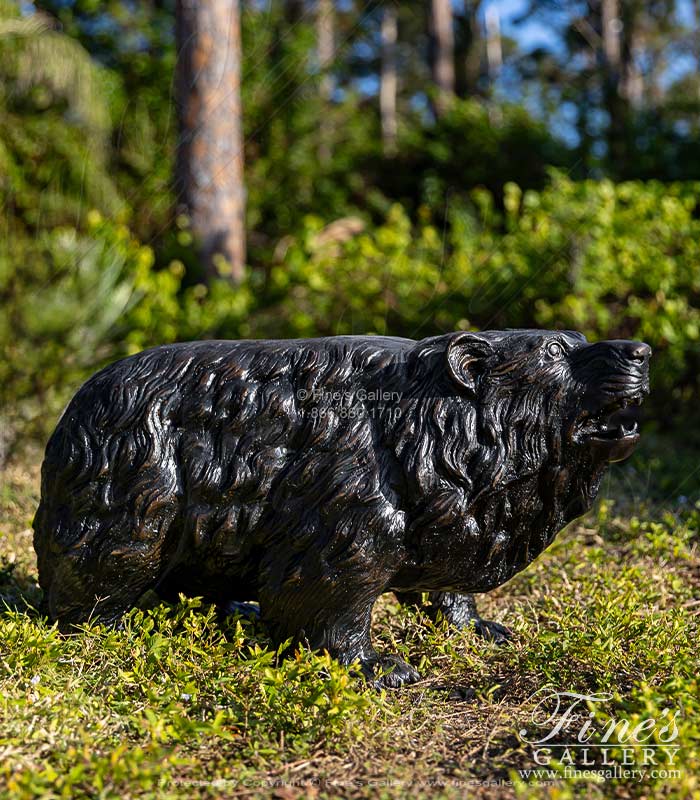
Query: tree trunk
209	170
471	45
615	103
326	56
293	11
442	35
610	11
387	89
494	49
632	80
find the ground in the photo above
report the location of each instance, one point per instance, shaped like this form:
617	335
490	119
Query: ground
183	704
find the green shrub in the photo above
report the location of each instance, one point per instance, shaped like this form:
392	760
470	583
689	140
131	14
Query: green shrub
71	303
614	261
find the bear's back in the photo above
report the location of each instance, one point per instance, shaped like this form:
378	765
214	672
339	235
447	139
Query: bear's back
201	430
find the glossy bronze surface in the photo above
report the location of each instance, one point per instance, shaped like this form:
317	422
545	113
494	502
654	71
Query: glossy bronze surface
314	475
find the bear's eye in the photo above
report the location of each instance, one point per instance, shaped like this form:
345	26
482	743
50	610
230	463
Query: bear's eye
555	350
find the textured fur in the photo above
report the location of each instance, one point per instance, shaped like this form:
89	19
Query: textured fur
313	475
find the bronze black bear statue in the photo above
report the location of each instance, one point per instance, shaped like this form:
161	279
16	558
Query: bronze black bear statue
315	474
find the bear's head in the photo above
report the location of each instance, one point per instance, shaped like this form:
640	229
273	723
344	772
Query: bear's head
490	408
579	394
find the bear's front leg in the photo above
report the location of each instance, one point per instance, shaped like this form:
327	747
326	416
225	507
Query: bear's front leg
387	671
460	610
332	614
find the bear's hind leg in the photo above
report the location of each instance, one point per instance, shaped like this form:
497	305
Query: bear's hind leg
86	588
332	615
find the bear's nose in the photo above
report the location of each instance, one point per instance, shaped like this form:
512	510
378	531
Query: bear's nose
639	350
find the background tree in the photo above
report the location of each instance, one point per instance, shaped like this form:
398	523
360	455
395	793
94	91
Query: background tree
442	53
210	177
469	48
325	28
389	78
294	11
613	64
494	45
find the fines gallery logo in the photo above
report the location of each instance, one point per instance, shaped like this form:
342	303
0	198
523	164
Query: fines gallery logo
564	729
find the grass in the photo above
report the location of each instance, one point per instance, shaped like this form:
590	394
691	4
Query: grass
183	704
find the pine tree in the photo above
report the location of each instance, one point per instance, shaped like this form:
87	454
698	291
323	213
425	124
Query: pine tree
210	178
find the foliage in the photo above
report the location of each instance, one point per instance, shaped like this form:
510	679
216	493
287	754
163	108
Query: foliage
38	55
471	145
54	126
134	45
73	302
130	177
612	260
285	177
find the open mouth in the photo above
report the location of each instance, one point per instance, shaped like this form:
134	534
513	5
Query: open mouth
613	429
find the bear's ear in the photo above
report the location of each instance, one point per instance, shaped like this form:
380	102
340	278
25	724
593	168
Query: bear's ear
466	357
